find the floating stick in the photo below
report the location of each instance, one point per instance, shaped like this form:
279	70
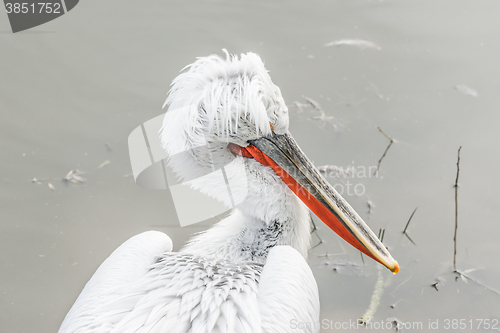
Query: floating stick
386	149
456	213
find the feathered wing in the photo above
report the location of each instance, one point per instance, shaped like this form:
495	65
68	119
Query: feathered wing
143	287
288	293
185	293
167	292
128	263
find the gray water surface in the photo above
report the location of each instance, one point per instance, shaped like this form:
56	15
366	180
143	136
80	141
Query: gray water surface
73	89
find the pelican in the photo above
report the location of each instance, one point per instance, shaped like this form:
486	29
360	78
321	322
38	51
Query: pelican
248	272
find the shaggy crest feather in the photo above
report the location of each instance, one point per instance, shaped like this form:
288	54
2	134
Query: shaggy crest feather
226	96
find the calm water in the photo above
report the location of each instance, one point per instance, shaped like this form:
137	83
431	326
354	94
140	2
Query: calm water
73	89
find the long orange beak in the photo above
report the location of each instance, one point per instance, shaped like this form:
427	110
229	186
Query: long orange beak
283	155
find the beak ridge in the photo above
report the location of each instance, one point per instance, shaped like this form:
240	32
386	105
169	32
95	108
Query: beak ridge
283	155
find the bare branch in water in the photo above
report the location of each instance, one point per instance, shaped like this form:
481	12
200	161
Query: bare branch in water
315	231
387	136
462	275
386	149
411	240
381	234
456	212
406	227
404	231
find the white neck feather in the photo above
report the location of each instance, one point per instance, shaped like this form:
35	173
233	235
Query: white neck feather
243	237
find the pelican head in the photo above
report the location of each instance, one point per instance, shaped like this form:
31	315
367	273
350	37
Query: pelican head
228	114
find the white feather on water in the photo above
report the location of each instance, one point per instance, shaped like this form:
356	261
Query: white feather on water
359	43
466	90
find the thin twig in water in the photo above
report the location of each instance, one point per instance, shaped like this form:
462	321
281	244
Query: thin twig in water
456	213
383	155
411	240
381	234
461	274
388	137
406	227
404	231
314	230
386	149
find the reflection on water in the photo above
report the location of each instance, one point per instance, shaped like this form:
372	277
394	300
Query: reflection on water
70	99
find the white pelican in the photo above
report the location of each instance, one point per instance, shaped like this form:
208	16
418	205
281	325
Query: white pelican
248	272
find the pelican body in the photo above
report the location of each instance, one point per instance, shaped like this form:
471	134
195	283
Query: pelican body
248	272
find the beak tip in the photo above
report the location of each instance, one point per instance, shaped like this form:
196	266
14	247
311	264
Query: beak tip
395	270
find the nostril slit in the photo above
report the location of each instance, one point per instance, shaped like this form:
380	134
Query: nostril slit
234	149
